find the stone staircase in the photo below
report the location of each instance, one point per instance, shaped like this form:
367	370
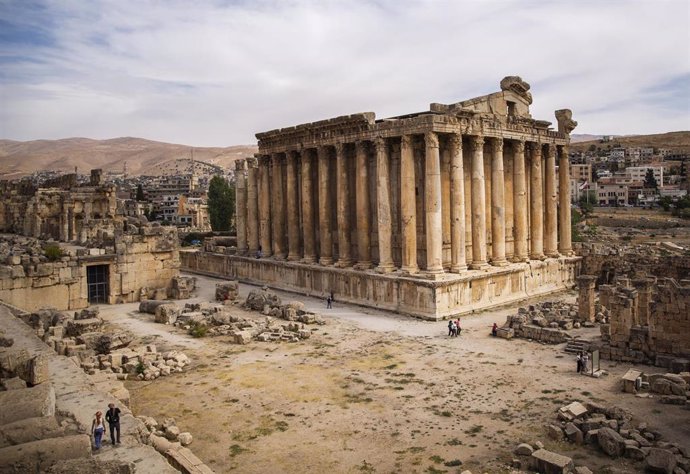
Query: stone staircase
574	346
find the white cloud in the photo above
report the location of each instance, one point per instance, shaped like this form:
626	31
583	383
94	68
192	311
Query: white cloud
215	73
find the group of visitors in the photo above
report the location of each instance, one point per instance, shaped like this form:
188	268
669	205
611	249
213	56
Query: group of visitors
582	362
454	328
112	417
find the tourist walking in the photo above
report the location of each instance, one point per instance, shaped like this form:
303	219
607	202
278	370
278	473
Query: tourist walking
112	416
458	329
579	362
494	330
585	363
329	302
97	429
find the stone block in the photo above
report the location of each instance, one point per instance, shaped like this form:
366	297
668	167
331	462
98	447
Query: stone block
14	383
523	449
29	429
79	327
554	432
149	306
167	313
611	442
574	434
660	460
27	403
548	462
242	337
38	456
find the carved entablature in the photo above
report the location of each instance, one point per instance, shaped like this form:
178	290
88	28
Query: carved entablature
518	86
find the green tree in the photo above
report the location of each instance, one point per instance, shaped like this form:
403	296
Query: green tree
221	203
586	207
140	193
650	180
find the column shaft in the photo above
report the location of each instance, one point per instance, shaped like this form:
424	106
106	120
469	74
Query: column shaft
292	207
478	204
241	206
308	207
498	205
458	261
277	207
343	192
252	207
408	206
383	200
325	233
551	201
519	202
565	244
264	207
363	203
536	204
434	218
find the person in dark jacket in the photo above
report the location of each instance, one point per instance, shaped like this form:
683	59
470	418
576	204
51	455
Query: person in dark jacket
112	416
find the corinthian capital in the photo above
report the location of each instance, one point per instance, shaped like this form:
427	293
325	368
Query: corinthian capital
431	139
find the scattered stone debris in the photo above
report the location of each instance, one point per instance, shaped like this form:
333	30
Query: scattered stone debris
228	292
612	430
544	322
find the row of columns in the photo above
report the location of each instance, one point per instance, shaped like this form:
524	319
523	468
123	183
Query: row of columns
263	208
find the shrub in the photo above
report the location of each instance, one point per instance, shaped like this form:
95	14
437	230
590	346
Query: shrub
53	252
198	330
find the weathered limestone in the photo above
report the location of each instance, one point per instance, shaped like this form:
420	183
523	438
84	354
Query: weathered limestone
458	262
252	206
264	207
422	198
363	204
408	206
25	403
498	206
586	297
343	199
536	214
550	202
434	232
308	208
565	238
292	207
325	228
37	456
384	206
241	206
277	207
478	205
520	202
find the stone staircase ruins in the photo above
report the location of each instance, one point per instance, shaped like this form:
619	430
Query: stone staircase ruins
577	345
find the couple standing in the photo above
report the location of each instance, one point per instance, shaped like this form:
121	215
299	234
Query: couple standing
112	416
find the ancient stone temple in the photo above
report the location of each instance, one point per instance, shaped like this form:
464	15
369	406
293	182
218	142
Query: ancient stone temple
433	214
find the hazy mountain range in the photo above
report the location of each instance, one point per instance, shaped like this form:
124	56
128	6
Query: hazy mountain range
147	157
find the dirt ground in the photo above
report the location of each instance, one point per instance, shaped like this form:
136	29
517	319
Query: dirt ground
372	391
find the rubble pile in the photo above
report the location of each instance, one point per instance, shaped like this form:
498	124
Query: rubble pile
544	322
611	430
209	319
673	389
167	429
144	363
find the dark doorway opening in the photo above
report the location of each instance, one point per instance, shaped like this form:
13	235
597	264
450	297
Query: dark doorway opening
97	282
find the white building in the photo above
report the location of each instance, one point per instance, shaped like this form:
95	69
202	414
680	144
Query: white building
638	173
612	194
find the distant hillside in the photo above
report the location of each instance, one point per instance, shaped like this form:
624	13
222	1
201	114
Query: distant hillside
143	157
670	140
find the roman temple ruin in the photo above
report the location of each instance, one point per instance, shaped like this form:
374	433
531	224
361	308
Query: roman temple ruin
432	214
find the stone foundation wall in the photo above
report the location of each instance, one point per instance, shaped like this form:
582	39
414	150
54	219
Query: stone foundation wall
454	295
649	323
146	260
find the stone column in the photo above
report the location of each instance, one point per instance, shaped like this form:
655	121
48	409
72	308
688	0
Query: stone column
308	208
498	205
64	224
383	200
586	297
277	207
432	200
550	226
343	192
565	243
408	206
72	224
292	207
252	207
478	204
536	210
241	206
325	235
520	202
363	203
264	206
458	261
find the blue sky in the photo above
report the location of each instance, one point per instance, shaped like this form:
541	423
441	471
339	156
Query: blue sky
213	73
